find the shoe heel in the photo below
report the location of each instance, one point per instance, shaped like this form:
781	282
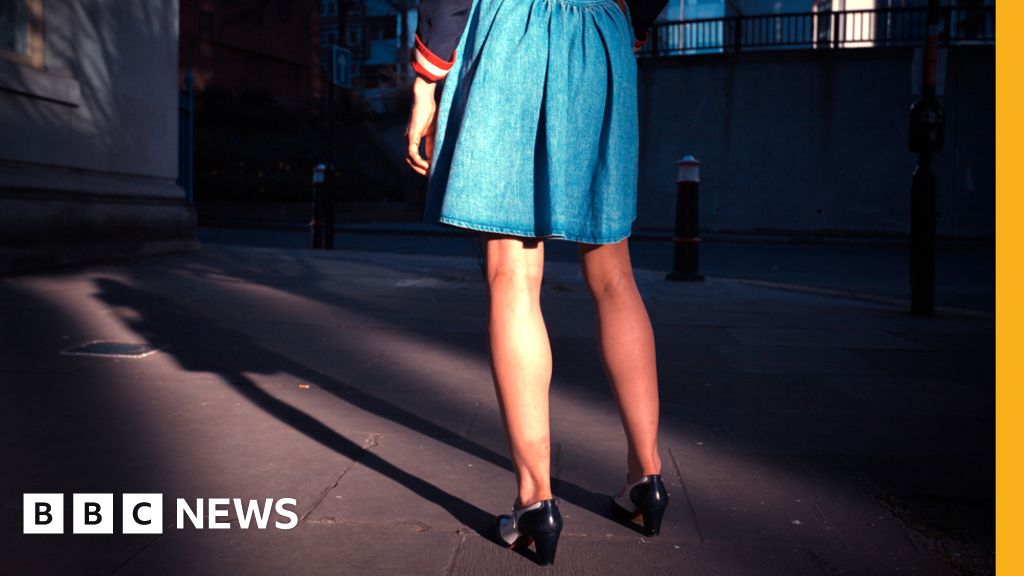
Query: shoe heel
539	522
653	506
652	521
546	544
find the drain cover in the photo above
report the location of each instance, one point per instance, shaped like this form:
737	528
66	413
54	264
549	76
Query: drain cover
113	349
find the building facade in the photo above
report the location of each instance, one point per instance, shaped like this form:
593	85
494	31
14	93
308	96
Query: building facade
378	35
269	46
89	133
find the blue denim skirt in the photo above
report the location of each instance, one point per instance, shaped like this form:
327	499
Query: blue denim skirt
537	129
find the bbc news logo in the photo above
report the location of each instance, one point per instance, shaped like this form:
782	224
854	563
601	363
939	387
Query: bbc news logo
143	513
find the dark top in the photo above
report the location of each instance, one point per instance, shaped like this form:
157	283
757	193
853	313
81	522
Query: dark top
441	23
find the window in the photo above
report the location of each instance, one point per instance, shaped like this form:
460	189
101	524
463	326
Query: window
382	27
21	37
206	23
378	75
14	26
353	36
329	8
329	37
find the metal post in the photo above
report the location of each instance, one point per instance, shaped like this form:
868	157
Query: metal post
835	29
329	184
327	180
685	258
947	12
330	121
316	224
926	138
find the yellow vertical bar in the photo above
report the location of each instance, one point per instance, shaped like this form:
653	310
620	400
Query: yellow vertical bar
1008	250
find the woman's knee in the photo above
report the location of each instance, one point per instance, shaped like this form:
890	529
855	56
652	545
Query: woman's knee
607	269
611	283
514	264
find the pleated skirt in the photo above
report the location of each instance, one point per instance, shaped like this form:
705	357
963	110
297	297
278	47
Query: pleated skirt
537	129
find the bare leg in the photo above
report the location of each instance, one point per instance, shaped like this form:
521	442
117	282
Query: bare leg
626	343
521	357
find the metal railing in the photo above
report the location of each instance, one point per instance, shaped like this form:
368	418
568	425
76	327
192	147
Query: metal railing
819	30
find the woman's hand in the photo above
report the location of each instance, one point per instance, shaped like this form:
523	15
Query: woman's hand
622	6
421	125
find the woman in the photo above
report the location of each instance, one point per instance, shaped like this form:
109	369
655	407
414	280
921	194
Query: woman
536	136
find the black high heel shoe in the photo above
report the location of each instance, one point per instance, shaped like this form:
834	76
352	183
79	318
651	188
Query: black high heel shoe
646	496
540	523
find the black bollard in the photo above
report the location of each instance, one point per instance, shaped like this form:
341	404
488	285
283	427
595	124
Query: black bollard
316	224
926	139
686	254
328	198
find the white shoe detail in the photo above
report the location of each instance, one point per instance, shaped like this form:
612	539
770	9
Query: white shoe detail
623	499
508	525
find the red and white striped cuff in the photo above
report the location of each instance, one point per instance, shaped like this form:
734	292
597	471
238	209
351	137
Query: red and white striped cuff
638	42
428	64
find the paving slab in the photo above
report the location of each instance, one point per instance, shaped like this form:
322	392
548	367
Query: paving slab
314	549
410	480
585	465
638	555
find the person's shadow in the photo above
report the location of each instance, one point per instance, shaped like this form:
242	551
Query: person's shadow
206	347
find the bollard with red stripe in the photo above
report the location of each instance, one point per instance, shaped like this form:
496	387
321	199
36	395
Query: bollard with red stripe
686	242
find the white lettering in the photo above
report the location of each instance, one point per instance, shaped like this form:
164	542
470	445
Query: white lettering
196	516
253	510
218	509
280	507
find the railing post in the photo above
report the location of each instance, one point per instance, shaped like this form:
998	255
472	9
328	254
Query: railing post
947	13
835	29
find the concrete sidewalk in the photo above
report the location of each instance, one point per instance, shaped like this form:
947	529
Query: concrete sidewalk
873	269
801	434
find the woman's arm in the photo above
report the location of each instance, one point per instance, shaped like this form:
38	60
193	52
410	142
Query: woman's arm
421	125
438	30
643	13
